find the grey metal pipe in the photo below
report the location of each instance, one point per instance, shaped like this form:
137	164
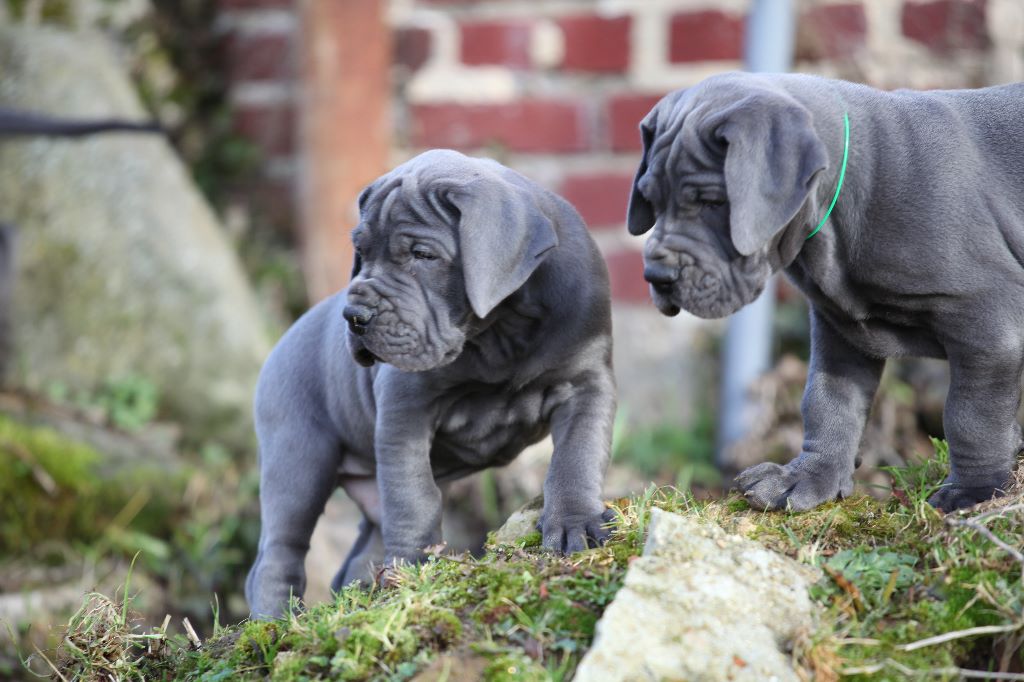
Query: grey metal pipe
746	351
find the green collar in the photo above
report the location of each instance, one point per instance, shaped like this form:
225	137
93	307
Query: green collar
842	174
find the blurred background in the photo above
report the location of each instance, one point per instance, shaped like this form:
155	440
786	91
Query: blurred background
148	276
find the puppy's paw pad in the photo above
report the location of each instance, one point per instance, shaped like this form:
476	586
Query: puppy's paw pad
795	486
568	533
808	494
952	496
766	486
599	531
752	476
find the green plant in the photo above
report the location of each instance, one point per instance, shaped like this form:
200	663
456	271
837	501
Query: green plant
129	402
916	482
668	453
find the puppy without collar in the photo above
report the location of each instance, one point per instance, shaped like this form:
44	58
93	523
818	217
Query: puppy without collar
923	254
477	320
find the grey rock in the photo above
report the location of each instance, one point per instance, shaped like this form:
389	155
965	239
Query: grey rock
520	524
122	266
701	604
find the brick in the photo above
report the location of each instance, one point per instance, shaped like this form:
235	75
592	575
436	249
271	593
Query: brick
271	127
259	56
412	47
496	42
524	126
705	36
270	202
595	44
831	32
626	271
945	25
600	198
256	4
624	113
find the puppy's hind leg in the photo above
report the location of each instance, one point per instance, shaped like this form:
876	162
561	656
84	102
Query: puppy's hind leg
367	554
298	472
364	559
981	425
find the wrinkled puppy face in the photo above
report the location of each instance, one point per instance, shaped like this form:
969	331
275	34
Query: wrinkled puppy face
442	240
406	298
727	167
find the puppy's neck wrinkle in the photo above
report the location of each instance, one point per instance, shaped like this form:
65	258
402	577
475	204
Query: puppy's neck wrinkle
507	337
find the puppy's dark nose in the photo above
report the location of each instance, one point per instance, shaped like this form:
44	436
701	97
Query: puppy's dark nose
661	278
358	318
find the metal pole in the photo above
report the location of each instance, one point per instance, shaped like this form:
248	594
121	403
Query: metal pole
746	352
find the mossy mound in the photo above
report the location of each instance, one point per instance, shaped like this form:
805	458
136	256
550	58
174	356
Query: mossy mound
907	593
75	513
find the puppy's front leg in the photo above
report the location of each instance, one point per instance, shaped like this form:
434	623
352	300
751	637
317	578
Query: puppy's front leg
841	384
411	504
980	423
574	515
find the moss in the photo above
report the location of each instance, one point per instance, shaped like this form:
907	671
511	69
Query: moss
894	572
514	667
57	490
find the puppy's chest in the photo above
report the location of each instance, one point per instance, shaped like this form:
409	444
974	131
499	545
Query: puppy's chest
878	320
489	426
882	328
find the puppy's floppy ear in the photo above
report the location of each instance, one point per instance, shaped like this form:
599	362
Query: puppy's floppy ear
357	264
640	214
772	157
503	237
367	193
364	197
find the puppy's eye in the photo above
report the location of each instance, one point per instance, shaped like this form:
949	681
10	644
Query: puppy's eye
420	253
711	202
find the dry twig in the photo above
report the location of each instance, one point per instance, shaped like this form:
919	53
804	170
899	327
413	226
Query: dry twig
960	634
975	523
41	475
908	672
191	632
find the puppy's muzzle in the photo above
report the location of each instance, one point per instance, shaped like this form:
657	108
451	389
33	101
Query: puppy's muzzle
358	318
661	278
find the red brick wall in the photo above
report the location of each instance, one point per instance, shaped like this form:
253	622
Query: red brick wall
260	48
557	89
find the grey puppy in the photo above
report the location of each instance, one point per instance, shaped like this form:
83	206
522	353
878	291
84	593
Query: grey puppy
477	320
923	254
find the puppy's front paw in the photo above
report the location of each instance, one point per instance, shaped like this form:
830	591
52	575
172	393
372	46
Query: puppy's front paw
952	496
802	484
567	532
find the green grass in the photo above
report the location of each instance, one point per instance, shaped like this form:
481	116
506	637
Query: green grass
69	510
893	573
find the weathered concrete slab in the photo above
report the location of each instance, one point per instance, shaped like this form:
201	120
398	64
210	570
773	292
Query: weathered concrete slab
701	604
